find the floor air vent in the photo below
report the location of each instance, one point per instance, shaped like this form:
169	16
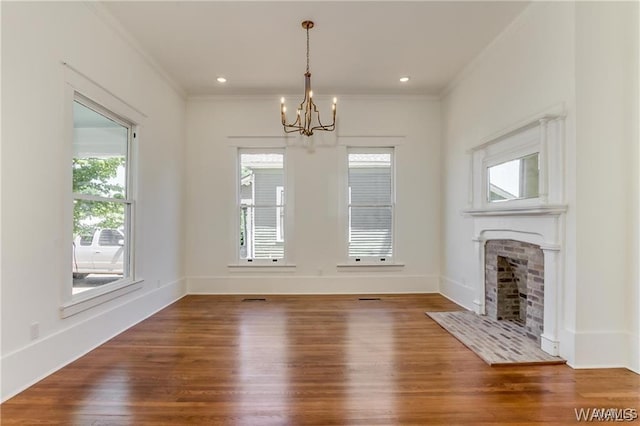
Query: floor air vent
369	298
254	299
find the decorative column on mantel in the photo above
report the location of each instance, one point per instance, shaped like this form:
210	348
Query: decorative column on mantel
479	300
543	190
549	339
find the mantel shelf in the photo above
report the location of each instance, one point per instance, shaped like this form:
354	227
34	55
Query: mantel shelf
539	210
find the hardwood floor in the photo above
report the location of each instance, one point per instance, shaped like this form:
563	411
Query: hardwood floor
317	360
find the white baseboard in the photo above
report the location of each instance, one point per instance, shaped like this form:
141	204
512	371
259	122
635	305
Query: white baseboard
30	364
602	349
549	345
458	293
360	284
634	352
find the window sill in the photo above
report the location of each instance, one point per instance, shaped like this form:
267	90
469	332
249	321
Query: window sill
371	265
98	297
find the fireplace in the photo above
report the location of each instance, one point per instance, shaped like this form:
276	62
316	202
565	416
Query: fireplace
514	284
519	225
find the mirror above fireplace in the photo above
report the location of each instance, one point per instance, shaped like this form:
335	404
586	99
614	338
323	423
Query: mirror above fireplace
520	169
514	179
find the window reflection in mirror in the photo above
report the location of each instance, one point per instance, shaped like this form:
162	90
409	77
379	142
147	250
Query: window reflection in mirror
514	179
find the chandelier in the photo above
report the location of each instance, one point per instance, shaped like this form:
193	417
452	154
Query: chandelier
307	115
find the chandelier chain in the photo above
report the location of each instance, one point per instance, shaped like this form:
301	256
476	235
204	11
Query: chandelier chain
307	48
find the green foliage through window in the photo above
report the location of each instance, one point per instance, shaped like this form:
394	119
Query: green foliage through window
97	176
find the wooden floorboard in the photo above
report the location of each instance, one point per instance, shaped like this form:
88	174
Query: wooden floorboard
316	360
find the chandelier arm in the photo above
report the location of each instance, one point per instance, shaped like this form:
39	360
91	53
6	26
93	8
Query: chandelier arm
295	124
329	127
292	126
324	127
301	106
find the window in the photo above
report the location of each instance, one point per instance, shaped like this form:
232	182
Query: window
370	204
102	200
261	205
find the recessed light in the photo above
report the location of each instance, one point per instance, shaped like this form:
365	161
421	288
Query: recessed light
404	79
221	80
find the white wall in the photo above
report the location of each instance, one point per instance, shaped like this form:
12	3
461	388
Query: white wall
211	180
36	38
606	164
634	296
585	56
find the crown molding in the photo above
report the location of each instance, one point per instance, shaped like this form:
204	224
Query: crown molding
101	11
240	97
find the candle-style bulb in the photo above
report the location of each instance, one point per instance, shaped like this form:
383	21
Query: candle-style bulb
311	93
335	101
281	100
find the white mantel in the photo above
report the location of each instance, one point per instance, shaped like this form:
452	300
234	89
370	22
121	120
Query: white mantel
539	221
543	229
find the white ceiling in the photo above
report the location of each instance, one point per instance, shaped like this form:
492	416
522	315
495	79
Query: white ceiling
356	47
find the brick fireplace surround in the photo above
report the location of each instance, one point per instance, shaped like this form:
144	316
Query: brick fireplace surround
514	284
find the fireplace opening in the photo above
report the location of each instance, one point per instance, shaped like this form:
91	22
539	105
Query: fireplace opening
512	290
514	284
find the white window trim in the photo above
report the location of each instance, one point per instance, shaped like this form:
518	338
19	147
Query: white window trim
283	262
91	298
128	269
367	261
348	212
128	200
280	207
79	85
